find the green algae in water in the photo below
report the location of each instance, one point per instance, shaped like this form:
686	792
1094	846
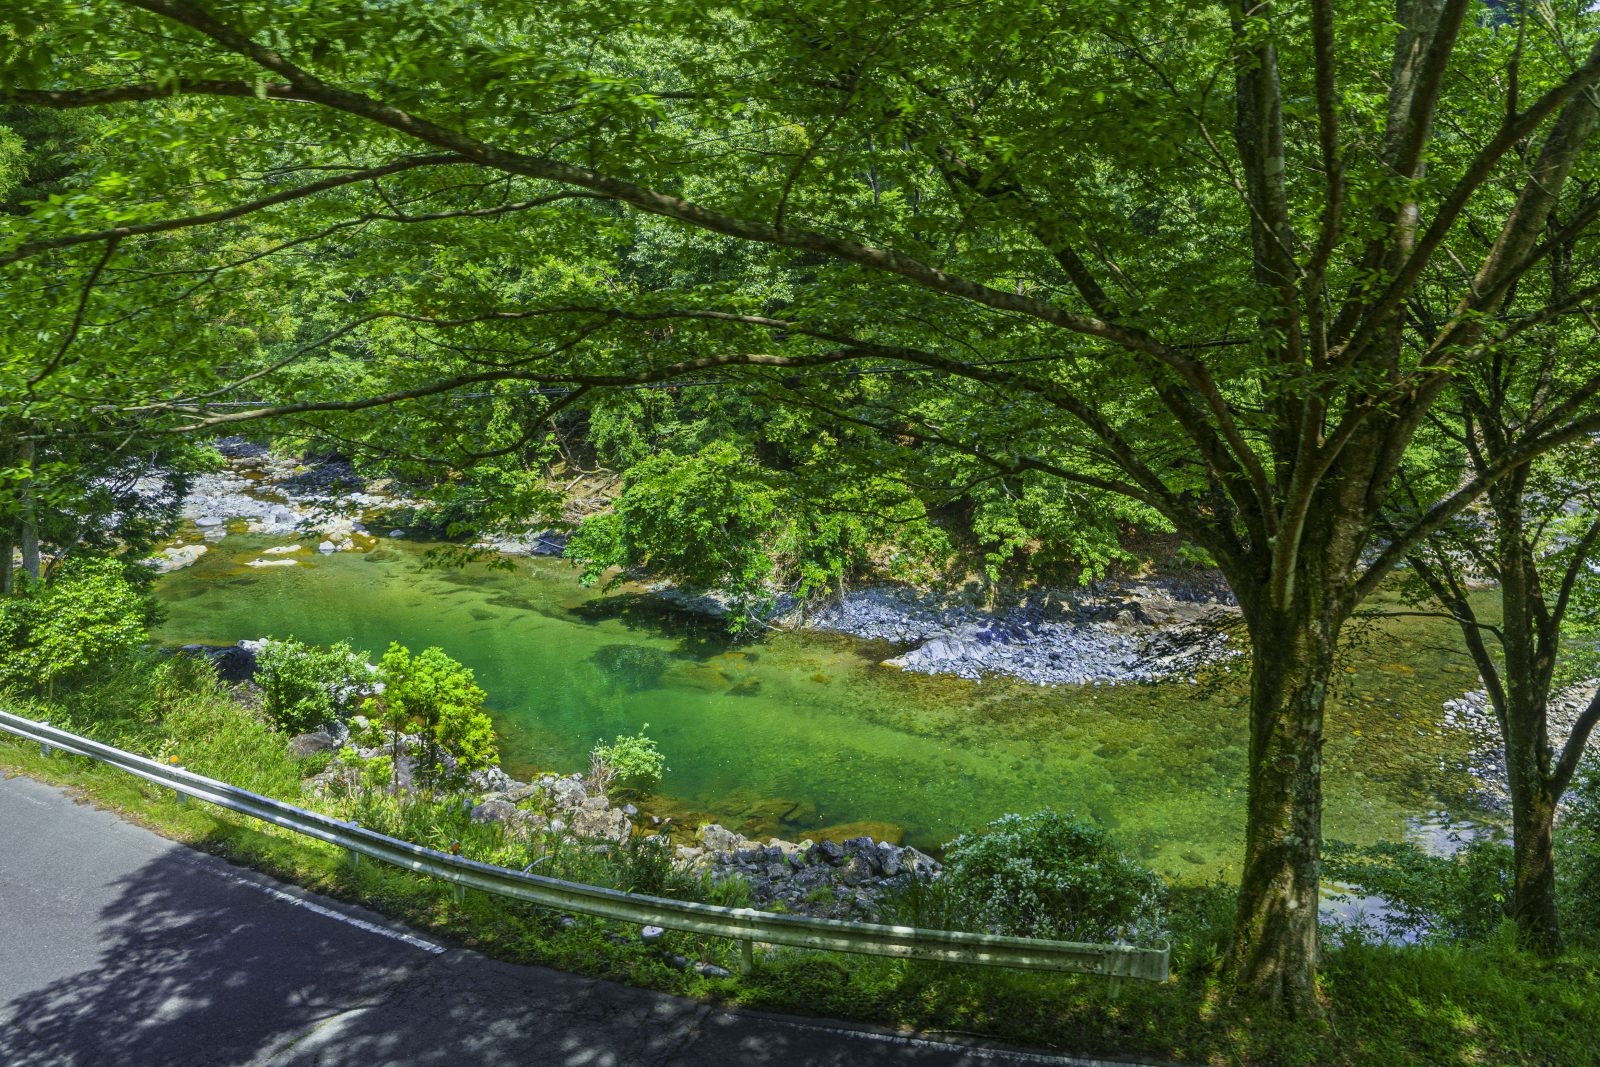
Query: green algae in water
755	741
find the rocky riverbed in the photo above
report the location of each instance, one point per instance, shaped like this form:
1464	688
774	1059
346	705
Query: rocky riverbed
1487	762
262	493
1128	632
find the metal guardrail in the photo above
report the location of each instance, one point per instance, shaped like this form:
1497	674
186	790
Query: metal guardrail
743	924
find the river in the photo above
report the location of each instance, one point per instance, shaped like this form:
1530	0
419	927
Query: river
805	732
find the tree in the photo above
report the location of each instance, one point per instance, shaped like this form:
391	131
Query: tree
435	696
1169	252
1535	537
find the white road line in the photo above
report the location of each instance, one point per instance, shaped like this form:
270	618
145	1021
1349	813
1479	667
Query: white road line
975	1051
311	906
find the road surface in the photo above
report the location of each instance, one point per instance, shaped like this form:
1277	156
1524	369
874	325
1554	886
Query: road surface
119	947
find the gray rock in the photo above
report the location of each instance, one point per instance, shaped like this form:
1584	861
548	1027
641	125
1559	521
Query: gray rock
856	872
303	745
609	824
233	663
528	822
717	838
829	852
651	934
518	792
494	811
491	780
888	859
567	793
711	970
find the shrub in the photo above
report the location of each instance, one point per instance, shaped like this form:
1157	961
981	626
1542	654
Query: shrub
87	618
1049	875
1578	858
434	695
306	686
1463	897
1200	925
633	761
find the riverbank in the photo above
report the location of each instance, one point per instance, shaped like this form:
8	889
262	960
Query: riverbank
1474	716
1110	633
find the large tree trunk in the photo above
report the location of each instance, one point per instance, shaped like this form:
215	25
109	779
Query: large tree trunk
1529	647
1274	956
1533	794
1533	894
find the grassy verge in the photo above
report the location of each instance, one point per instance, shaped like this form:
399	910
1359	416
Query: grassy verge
1478	1004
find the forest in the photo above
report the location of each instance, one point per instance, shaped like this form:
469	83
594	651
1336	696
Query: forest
776	301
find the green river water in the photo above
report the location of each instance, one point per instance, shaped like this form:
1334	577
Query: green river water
805	732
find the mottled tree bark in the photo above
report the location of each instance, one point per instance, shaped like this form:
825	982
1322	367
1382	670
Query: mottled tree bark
1275	939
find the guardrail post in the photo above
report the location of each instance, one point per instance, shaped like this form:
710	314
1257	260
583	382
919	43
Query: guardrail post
355	857
44	746
747	955
459	891
179	794
1119	966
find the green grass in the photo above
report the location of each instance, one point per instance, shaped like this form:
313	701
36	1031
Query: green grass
1446	1005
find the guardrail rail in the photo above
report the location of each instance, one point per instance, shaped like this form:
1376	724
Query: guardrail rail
745	925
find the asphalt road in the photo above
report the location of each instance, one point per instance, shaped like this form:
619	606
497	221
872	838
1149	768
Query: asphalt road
119	947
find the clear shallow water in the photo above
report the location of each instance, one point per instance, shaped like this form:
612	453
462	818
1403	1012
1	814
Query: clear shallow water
804	732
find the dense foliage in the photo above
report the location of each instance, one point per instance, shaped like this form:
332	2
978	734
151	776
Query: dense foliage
307	686
1578	844
1049	875
1457	898
85	619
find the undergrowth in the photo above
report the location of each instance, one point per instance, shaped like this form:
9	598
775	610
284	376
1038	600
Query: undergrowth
1444	1004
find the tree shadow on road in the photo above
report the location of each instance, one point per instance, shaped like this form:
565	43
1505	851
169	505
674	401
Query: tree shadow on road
196	968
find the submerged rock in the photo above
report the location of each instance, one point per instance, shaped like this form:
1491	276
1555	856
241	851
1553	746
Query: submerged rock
634	667
175	558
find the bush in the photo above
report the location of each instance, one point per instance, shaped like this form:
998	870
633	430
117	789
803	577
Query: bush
1463	897
86	619
305	686
1048	875
1578	858
634	762
434	695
